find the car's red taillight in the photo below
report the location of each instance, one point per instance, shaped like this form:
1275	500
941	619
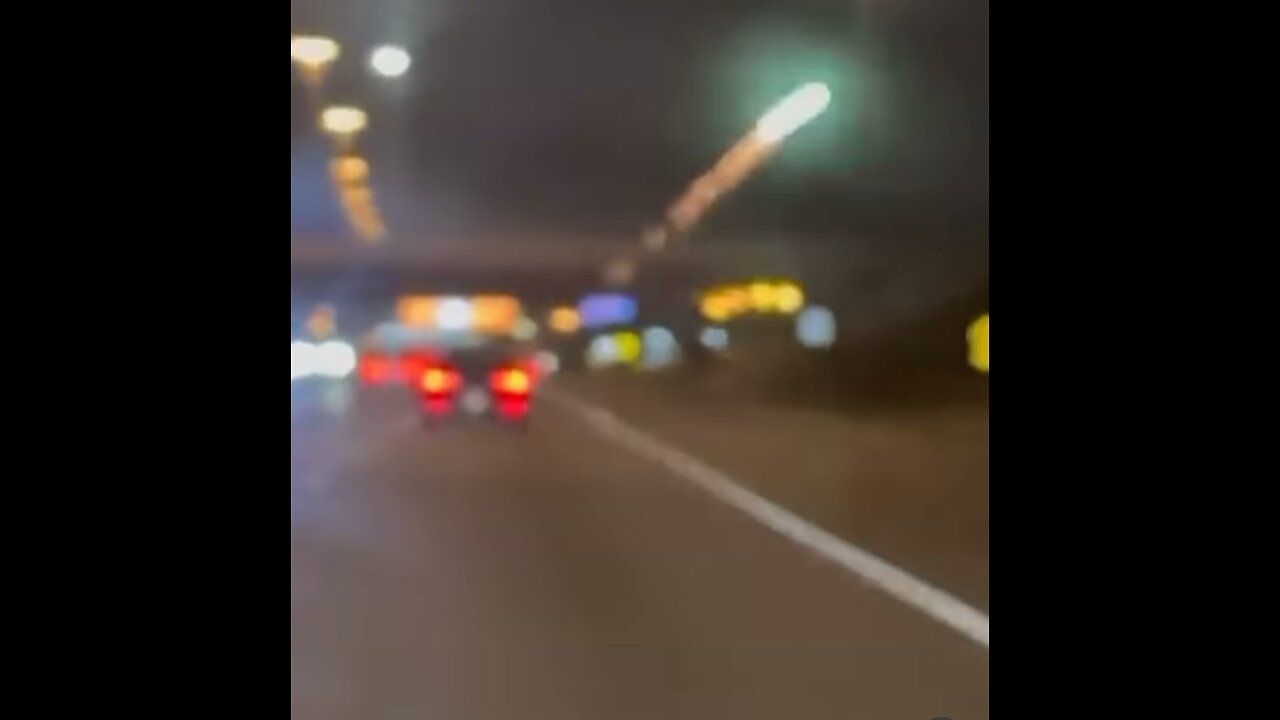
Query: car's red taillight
512	381
439	381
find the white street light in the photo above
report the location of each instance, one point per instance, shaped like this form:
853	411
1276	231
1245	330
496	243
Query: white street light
794	112
309	50
390	61
313	55
343	121
735	166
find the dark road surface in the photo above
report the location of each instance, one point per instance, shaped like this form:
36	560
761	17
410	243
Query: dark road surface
476	573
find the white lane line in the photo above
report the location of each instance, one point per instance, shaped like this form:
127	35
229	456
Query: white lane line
896	582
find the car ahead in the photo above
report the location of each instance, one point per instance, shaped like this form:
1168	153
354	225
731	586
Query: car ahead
497	383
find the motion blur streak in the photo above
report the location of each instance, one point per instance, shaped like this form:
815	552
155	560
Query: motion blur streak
746	245
736	166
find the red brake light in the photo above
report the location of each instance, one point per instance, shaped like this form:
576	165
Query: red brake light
512	381
439	380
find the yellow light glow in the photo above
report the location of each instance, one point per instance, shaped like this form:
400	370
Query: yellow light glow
357	199
350	170
497	314
980	344
564	320
629	346
715	308
343	120
788	298
515	381
737	299
417	312
435	380
762	297
313	52
322	323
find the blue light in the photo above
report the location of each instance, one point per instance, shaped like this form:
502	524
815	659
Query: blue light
604	310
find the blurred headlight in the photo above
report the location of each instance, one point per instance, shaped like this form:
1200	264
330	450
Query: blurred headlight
302	360
816	328
334	359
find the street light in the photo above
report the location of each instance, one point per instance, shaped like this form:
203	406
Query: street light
350	171
313	55
343	122
734	167
390	61
793	112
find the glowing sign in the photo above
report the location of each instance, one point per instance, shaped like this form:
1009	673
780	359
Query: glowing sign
607	309
980	344
487	314
762	297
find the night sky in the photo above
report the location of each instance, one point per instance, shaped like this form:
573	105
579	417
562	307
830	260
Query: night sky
582	119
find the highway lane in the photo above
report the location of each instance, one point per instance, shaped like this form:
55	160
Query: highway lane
477	573
910	483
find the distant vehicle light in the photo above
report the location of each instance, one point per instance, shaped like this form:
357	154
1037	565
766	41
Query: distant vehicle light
417	312
482	314
816	328
302	361
602	352
335	359
714	338
660	348
453	314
